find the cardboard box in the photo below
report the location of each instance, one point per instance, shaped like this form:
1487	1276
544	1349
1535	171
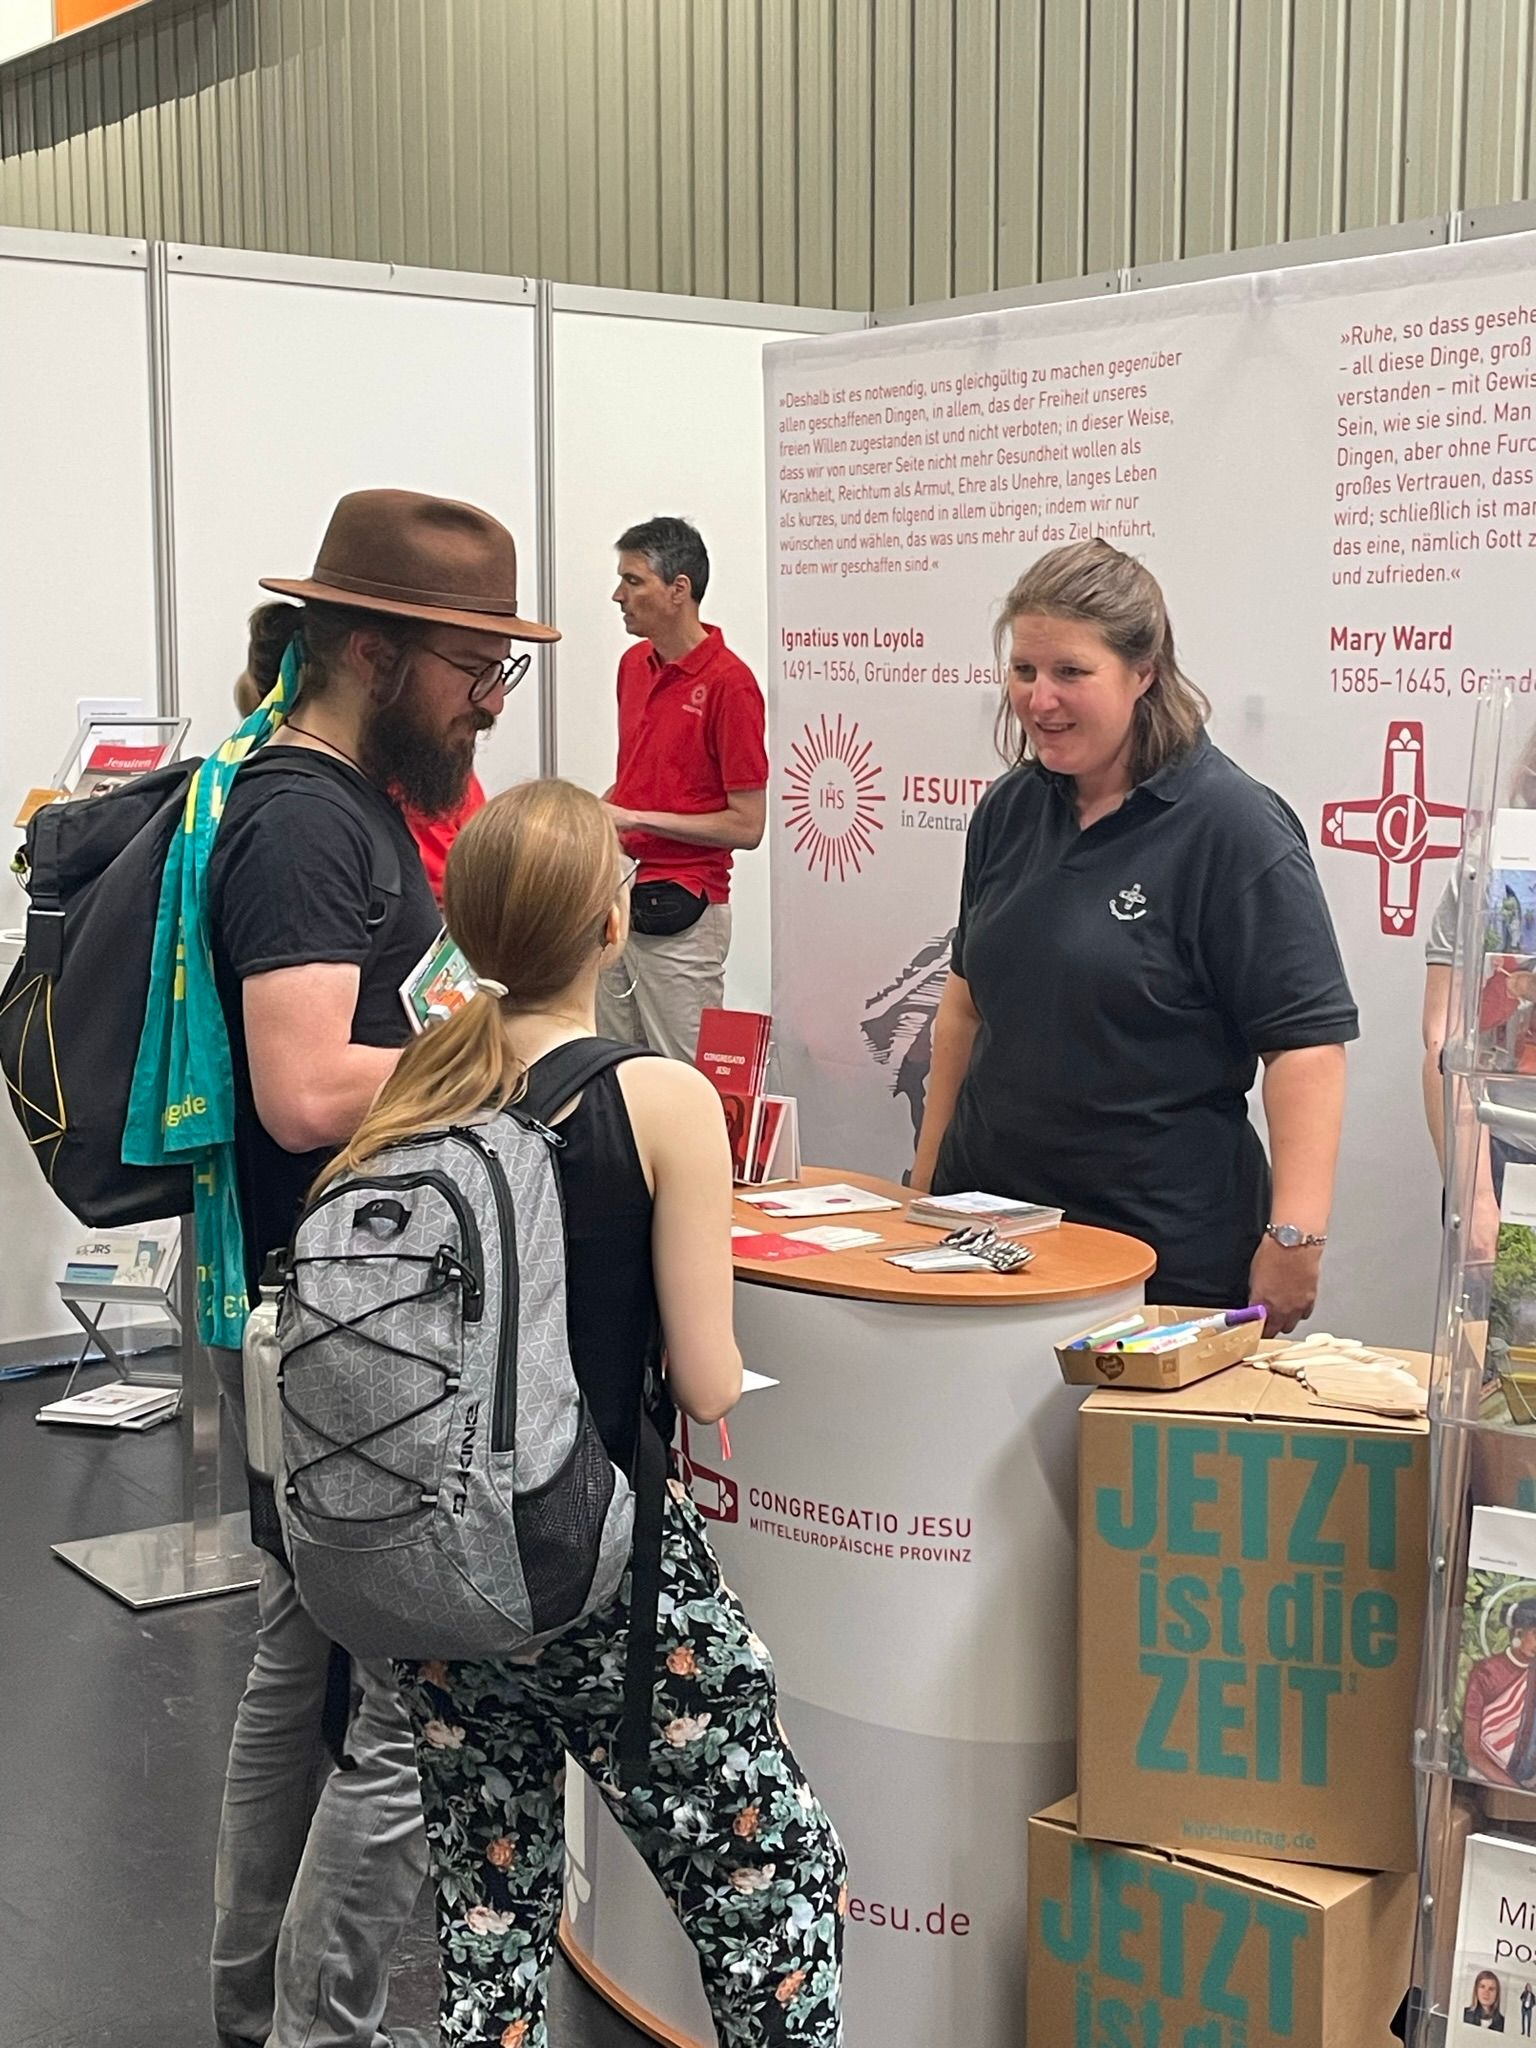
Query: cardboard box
1142	1948
1161	1369
1251	1592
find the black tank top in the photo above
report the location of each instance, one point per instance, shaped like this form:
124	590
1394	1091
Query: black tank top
612	1318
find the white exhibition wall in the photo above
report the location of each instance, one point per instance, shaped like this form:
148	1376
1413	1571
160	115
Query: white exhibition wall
657	414
77	599
286	383
1330	470
291	388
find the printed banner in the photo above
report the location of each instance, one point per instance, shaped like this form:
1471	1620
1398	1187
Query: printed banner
1332	472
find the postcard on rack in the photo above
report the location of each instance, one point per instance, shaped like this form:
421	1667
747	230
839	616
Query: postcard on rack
1512	1295
1494	1709
145	1256
1493	1976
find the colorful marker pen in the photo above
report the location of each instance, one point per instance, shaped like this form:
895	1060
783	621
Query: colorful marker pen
1110	1330
1199	1326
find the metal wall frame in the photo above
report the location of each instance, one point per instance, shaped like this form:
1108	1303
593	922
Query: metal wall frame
1438	231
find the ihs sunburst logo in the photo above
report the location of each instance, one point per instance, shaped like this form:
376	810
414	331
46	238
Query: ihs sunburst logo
834	798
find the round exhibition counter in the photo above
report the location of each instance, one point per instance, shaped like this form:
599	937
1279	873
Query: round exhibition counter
898	1518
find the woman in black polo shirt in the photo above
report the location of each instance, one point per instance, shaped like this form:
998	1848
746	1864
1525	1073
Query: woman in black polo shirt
1140	925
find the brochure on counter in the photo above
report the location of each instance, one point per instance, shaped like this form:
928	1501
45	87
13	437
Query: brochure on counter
838	1198
1008	1217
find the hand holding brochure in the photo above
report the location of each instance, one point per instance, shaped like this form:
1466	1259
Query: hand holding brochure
441	982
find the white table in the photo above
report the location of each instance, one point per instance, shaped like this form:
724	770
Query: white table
927	1687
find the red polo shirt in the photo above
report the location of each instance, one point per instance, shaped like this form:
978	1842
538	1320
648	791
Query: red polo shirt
690	732
434	836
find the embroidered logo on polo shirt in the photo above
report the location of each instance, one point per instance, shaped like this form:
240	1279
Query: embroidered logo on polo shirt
1129	904
698	696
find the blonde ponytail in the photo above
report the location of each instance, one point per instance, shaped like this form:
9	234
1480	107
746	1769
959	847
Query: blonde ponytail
529	885
455	1070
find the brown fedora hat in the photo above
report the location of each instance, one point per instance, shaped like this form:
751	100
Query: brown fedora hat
417	557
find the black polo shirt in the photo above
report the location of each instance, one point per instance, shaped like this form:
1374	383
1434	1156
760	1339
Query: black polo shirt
1127	978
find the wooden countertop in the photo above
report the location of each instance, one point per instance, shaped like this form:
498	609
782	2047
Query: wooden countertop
1072	1263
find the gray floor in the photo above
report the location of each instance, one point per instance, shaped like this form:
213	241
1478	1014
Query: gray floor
115	1731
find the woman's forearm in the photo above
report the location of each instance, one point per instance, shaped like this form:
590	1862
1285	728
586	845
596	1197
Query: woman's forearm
954	1033
1304	1108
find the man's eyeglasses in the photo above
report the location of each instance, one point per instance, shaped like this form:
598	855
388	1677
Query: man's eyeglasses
505	673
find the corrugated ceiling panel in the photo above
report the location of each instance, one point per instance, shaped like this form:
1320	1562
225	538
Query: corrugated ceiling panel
831	151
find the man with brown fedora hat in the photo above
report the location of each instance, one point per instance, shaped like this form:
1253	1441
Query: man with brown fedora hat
318	908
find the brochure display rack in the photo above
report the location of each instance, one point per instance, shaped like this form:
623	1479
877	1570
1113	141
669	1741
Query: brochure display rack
134	1268
1476	1747
209	1551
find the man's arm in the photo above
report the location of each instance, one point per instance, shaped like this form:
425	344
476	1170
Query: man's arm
312	1085
738	827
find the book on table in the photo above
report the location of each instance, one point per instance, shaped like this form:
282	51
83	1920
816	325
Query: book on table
1008	1217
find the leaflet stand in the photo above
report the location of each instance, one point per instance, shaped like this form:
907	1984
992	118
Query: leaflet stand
208	1552
88	1304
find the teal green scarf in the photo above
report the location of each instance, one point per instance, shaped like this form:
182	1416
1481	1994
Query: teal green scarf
182	1106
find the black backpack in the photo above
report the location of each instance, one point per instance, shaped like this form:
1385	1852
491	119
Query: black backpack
72	1012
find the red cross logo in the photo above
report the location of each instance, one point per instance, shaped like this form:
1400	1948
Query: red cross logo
1400	827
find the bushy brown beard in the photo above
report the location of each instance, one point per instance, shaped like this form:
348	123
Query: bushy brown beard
426	770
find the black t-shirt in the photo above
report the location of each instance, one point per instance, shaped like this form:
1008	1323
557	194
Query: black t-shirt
292	882
1127	978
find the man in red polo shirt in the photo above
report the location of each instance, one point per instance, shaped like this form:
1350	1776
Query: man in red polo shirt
691	790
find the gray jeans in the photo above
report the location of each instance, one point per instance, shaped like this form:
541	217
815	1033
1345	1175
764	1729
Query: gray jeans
655	994
318	1869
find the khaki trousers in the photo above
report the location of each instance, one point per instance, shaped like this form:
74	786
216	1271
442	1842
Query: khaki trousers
655	994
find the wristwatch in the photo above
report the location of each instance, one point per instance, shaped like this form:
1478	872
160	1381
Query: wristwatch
1290	1237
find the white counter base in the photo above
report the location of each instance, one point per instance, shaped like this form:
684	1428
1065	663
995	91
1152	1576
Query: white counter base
928	1692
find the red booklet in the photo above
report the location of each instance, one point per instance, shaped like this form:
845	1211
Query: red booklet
733	1050
770	1244
743	1115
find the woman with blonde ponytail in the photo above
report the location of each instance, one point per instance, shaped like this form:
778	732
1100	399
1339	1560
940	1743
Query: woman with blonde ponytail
536	895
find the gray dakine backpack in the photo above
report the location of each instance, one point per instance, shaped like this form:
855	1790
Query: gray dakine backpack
444	1491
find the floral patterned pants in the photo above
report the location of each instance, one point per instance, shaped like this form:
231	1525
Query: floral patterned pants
735	1837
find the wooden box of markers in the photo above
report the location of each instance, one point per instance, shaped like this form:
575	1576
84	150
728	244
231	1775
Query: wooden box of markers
1154	1371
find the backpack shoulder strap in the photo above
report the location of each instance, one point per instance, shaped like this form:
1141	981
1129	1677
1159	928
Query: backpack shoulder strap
383	853
45	905
560	1074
